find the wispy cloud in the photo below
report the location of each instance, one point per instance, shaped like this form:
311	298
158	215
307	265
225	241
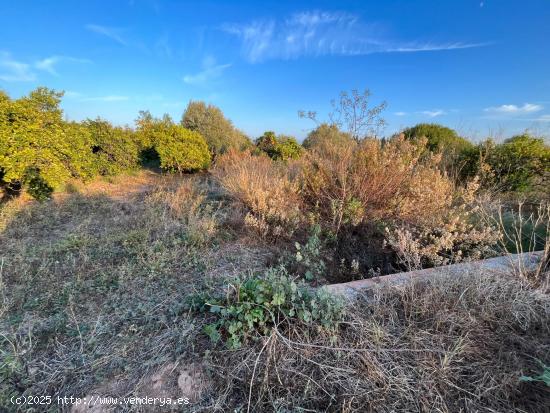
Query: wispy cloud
108	98
433	113
514	109
48	64
316	33
400	113
210	71
543	118
112	33
12	70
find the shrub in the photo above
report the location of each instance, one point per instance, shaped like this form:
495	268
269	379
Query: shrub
255	306
38	150
326	133
266	189
521	163
355	183
279	147
182	150
114	149
459	233
219	132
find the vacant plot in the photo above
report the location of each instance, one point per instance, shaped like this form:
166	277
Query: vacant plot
111	288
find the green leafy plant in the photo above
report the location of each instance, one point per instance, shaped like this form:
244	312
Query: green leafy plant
257	305
279	147
308	256
542	377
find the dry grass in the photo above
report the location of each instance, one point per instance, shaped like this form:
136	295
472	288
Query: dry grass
453	345
266	189
93	291
94	282
358	183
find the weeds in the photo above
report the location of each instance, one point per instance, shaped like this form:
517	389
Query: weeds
254	306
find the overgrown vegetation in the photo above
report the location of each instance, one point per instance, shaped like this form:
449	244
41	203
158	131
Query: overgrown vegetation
120	276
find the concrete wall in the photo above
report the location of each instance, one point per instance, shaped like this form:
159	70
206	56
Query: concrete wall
504	264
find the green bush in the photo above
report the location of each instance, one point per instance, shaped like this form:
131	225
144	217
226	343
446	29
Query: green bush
114	149
38	150
279	147
182	150
521	163
259	304
219	132
326	133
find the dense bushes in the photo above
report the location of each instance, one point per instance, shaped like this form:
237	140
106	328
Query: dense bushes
114	149
182	150
219	132
521	163
358	195
178	149
279	147
39	151
326	133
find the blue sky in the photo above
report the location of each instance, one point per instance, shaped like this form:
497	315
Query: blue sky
482	67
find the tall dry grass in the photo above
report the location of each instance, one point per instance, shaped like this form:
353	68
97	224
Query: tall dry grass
355	183
268	191
457	344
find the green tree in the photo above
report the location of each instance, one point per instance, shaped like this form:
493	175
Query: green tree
38	150
521	163
182	150
326	133
114	149
459	154
219	132
279	147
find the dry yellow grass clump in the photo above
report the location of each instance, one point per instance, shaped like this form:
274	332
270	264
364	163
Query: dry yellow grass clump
455	344
266	188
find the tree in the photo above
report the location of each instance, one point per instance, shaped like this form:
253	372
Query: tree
521	163
38	150
219	132
182	150
352	112
114	149
439	137
326	133
178	149
279	147
459	154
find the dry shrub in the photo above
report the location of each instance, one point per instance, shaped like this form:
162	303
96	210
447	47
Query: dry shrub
265	188
355	183
456	234
456	344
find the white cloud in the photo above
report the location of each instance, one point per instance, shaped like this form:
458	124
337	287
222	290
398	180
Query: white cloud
433	113
400	113
210	72
12	70
544	118
316	33
513	109
110	32
48	64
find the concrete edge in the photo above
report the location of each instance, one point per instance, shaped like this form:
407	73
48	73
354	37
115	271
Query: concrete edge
502	264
